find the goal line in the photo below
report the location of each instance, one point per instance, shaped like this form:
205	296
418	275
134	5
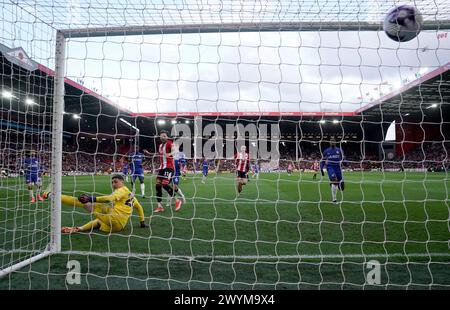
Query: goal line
242	257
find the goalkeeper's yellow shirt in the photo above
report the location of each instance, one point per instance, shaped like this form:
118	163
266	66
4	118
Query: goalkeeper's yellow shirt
123	204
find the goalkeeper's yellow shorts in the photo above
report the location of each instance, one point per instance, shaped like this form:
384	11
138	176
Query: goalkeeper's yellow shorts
109	222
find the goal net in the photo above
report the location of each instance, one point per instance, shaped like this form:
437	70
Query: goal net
211	123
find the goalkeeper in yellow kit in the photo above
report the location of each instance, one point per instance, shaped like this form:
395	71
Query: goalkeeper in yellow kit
111	212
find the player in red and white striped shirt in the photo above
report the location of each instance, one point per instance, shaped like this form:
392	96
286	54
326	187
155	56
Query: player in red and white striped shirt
315	168
242	162
290	168
165	172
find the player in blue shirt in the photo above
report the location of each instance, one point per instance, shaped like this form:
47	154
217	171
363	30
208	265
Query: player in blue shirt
176	176
32	173
332	158
183	163
125	168
256	170
137	171
205	169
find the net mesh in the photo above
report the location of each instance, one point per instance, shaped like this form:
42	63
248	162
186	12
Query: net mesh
285	94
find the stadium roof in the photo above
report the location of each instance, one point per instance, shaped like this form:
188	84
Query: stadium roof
26	93
419	98
416	98
25	77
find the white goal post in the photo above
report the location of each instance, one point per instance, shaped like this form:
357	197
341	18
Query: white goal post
54	245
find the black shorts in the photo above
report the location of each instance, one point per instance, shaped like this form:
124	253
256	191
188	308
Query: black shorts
242	175
165	174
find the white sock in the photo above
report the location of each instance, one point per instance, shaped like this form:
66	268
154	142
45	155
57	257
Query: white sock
181	194
334	189
143	189
31	193
169	200
38	192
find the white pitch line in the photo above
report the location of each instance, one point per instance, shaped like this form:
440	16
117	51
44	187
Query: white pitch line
255	257
239	257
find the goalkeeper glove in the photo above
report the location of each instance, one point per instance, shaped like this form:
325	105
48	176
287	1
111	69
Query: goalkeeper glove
143	225
85	198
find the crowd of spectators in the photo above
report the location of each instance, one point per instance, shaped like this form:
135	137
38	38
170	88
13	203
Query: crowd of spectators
429	156
92	156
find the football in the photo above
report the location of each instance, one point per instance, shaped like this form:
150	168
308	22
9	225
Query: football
403	23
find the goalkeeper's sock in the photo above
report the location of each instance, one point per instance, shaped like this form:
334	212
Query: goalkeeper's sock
90	225
30	192
334	189
71	201
143	189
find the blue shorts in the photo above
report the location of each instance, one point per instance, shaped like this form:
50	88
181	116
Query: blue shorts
176	180
205	172
138	175
334	173
32	178
125	171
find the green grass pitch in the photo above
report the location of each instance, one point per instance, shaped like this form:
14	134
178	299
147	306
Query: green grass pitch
282	233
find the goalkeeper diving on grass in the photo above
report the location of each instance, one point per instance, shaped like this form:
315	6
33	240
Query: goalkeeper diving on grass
111	212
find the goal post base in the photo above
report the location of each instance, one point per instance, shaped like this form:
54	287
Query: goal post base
15	267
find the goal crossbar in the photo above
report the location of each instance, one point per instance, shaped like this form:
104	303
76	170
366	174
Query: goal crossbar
239	27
